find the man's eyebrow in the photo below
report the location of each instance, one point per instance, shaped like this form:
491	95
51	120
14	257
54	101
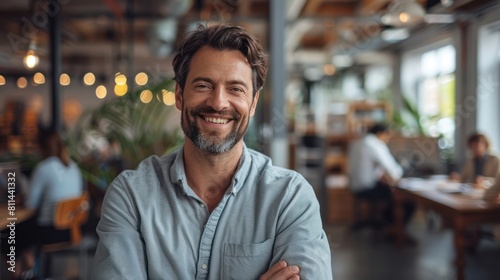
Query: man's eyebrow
231	82
202	79
238	82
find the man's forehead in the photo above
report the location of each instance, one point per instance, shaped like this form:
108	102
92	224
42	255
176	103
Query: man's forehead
217	62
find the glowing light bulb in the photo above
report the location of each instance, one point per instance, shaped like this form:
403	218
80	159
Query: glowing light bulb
120	79
404	17
64	79
146	96
22	82
328	69
168	97
89	79
121	90
31	59
101	92
141	78
39	78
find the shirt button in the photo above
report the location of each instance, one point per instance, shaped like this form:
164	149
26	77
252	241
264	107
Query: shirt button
202	205
204	266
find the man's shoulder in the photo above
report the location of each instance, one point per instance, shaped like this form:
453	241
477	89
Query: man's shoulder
269	171
493	157
150	169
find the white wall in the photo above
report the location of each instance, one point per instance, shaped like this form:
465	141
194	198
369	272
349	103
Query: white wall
488	87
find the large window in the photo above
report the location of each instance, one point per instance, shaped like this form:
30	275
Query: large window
436	92
428	81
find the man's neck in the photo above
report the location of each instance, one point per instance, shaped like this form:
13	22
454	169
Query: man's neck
210	175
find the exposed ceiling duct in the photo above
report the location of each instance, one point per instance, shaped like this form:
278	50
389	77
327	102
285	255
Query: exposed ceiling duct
161	37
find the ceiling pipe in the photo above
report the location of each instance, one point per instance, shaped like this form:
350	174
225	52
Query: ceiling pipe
115	7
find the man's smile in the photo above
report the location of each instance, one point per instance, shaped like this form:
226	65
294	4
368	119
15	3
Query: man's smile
216	120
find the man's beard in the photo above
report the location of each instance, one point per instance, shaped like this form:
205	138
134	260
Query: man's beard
212	143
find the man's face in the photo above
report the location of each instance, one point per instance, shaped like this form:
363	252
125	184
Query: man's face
217	103
478	148
385	136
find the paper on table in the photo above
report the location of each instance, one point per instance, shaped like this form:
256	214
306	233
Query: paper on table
450	187
416	184
473	192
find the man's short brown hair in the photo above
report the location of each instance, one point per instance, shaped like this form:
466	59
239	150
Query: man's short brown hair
221	37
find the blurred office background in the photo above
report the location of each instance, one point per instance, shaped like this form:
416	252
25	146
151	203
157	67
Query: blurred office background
99	72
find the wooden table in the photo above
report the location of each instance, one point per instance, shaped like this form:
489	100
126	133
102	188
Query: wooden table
461	210
21	214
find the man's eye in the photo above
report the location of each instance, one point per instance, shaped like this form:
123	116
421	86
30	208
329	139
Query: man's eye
238	89
201	86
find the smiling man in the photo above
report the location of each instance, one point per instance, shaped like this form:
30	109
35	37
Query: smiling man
213	209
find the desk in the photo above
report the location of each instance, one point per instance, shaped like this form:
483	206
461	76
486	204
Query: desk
21	214
459	209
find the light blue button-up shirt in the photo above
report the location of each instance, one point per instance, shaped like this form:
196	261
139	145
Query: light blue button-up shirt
153	226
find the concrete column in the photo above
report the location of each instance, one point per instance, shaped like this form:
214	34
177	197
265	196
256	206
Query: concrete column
466	83
277	76
397	99
55	69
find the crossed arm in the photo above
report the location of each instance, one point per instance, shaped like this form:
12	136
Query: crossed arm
282	271
300	244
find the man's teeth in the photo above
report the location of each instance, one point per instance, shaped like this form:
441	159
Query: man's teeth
216	120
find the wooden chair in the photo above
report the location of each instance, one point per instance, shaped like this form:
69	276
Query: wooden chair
69	214
72	214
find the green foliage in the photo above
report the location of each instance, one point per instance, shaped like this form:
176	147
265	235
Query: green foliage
140	130
411	110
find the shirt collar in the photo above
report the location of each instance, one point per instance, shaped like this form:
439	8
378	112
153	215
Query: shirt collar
374	138
178	173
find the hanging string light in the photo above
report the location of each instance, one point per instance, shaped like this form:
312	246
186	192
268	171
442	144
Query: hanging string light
31	59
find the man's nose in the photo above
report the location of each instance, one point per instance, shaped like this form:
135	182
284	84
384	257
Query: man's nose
218	99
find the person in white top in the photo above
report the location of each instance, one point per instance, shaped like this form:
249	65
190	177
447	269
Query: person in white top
54	179
373	171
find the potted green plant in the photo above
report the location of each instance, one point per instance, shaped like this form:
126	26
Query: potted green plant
139	129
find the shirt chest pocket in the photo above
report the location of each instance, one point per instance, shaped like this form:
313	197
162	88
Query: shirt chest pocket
247	261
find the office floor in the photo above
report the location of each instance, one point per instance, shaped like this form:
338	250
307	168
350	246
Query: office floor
364	255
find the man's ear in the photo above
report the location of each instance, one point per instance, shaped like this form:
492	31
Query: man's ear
178	96
254	103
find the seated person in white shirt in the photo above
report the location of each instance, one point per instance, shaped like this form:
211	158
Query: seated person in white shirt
373	171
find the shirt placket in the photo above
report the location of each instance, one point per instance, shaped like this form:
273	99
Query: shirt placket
207	238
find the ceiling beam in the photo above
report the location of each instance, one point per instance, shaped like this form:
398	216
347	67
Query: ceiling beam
244	8
311	7
372	6
336	9
115	7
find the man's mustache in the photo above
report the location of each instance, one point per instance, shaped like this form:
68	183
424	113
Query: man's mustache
229	114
